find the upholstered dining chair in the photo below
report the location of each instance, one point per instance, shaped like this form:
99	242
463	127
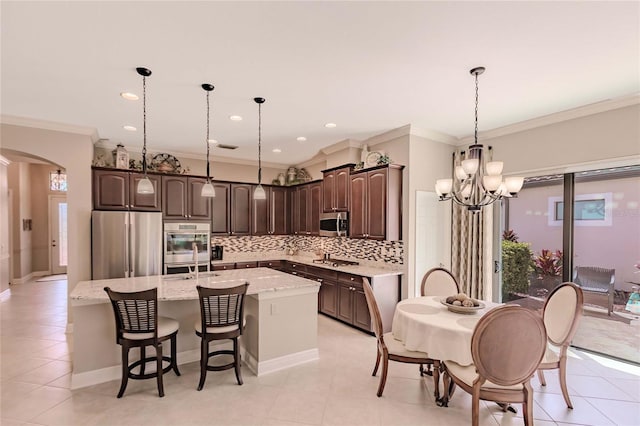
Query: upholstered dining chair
507	346
388	348
221	318
561	314
138	326
437	282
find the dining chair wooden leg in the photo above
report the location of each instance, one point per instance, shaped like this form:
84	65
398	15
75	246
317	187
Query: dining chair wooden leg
204	360
541	378
527	405
436	379
447	385
562	373
236	352
375	369
475	405
143	356
125	370
159	369
174	353
383	376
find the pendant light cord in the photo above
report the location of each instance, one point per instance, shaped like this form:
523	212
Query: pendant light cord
144	125
259	144
207	140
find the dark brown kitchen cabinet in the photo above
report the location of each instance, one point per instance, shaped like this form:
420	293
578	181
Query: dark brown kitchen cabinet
278	265
335	189
327	294
181	198
246	265
306	209
223	266
240	211
116	190
279	211
376	203
352	304
260	224
220	220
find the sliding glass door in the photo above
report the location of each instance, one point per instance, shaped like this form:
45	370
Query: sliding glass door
595	243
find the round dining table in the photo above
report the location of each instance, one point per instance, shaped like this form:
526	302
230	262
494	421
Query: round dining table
424	324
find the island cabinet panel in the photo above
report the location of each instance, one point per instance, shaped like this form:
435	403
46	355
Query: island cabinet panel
220	223
335	189
116	190
376	203
240	211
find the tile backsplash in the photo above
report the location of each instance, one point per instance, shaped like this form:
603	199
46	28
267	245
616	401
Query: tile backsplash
370	251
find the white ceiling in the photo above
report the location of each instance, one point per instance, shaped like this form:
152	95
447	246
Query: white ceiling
367	66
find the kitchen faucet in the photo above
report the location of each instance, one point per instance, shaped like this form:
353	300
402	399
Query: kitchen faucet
194	247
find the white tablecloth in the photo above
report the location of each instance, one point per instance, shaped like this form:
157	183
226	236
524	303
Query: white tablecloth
424	324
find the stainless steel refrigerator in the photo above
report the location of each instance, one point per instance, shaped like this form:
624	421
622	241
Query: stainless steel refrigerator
125	244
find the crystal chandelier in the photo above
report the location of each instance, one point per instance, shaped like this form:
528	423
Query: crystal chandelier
477	183
207	189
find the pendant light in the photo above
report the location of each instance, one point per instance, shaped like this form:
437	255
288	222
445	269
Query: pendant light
477	183
207	189
259	193
144	185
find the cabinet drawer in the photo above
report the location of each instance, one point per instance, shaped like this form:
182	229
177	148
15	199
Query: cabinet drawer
244	265
275	264
299	267
223	266
322	273
350	279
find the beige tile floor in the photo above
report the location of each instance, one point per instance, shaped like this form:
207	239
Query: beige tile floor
337	390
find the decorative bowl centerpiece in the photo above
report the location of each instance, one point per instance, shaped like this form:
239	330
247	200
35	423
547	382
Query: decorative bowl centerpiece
462	304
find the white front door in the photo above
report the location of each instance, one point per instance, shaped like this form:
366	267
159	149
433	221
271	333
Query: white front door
58	233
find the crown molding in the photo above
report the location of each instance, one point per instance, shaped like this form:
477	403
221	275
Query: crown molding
50	125
434	135
388	135
631	160
558	117
339	146
316	159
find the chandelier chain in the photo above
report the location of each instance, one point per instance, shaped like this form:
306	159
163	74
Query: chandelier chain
476	128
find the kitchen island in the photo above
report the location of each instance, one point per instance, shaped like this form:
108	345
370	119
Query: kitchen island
280	312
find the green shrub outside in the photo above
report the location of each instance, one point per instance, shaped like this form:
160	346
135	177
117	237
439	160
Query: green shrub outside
516	268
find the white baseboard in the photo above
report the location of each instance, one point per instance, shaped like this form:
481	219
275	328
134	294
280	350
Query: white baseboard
94	377
280	363
30	277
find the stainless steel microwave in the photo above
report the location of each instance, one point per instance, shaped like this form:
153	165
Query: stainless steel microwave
335	224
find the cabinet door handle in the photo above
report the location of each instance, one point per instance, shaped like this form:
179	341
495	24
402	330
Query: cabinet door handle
352	278
294	273
319	280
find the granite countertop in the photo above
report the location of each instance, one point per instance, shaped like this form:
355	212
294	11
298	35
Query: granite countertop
363	270
176	287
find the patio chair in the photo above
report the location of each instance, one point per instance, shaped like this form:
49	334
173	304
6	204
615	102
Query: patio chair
597	284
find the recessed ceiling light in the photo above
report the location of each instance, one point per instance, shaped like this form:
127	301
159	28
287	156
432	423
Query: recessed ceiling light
129	96
129	128
277	150
212	141
235	118
301	139
330	125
